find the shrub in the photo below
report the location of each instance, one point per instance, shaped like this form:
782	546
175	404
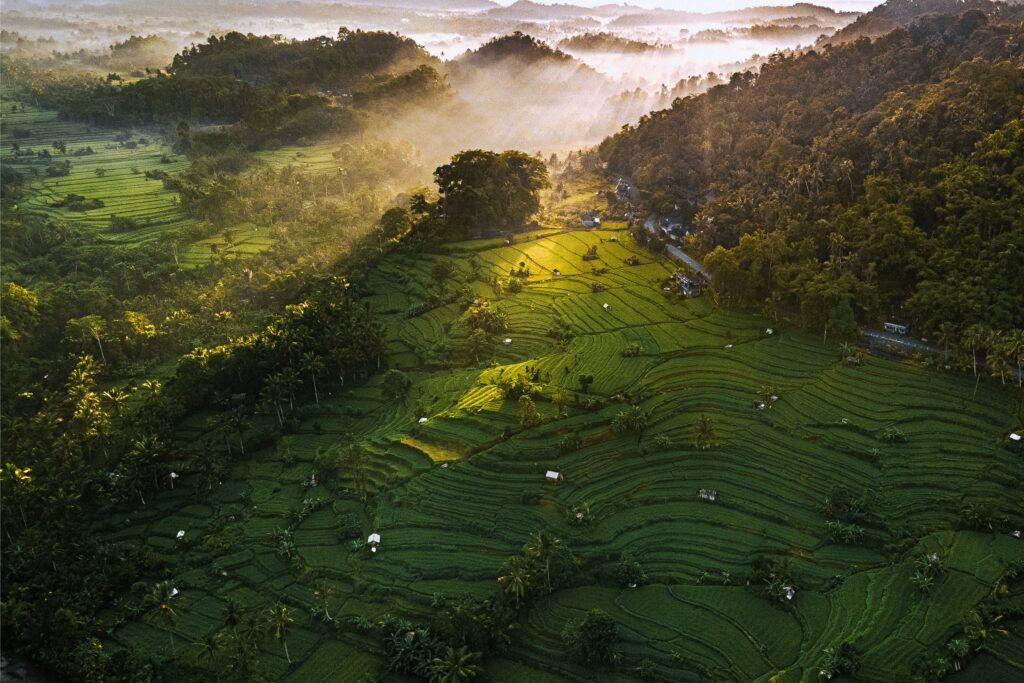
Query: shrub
570	442
593	638
629	573
59	169
123	224
395	384
631	351
516	386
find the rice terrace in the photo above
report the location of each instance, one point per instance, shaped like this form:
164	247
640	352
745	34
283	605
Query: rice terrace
458	484
305	380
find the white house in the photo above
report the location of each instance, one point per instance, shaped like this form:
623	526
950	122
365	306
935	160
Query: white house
790	592
894	327
373	540
605	306
181	534
508	340
1015	437
552	475
422	420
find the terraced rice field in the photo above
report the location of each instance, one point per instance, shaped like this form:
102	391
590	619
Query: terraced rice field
121	183
115	174
455	495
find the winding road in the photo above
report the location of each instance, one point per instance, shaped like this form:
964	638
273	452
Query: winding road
652	226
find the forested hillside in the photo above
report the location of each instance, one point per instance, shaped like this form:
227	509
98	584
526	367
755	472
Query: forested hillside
858	182
269	90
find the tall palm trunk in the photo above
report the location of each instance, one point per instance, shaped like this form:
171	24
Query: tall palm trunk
100	344
316	394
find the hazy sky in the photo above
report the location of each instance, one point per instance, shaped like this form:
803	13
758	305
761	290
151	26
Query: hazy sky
716	5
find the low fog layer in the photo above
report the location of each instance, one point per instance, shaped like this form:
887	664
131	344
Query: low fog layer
620	62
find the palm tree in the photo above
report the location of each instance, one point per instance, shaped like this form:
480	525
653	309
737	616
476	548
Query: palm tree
974	336
355	461
633	419
981	627
117	398
515	578
456	666
236	423
232	614
90	327
152	386
314	365
922	581
161	598
23	490
279	621
147	452
273	392
341	357
478	344
324	592
541	547
998	353
930	564
559	400
291	382
208	647
958	650
947	335
1015	343
221	424
704	433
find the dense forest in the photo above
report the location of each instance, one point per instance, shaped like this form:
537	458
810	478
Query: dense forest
272	91
857	183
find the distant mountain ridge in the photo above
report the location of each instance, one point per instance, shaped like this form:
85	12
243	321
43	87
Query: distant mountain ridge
455	5
626	14
527	10
894	14
766	13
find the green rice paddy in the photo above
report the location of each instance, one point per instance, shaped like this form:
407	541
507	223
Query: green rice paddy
113	173
455	495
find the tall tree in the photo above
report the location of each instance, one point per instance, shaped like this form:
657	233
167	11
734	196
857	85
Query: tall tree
280	620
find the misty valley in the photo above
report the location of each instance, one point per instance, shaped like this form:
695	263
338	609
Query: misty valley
461	340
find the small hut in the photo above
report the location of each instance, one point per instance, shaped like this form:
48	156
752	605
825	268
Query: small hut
552	475
373	540
707	494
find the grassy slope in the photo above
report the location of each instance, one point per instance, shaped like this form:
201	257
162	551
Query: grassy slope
448	528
